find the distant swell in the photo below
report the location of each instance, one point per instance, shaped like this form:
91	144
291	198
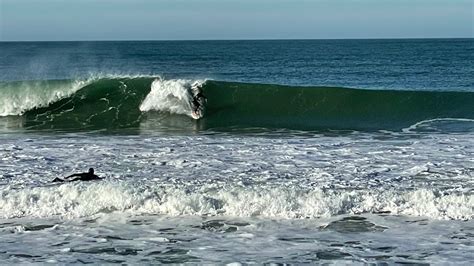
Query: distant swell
152	102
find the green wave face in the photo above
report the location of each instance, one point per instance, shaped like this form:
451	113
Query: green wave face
312	108
112	103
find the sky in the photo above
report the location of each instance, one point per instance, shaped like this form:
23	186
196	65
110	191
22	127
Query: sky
70	20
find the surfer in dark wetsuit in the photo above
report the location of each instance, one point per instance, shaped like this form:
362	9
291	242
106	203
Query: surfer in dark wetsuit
80	177
198	100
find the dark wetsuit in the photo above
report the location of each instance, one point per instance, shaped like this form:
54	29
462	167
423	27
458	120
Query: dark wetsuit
198	100
80	177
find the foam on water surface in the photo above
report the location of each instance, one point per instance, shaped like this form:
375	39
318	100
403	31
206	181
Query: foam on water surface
216	197
299	177
121	238
71	201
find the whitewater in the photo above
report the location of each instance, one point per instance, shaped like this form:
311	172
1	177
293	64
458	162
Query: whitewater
164	193
328	154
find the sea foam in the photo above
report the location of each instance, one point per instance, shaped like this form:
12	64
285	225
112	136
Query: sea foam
78	200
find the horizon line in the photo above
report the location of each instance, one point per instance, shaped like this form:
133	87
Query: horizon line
249	39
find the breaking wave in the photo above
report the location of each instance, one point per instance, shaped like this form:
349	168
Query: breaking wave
128	102
78	200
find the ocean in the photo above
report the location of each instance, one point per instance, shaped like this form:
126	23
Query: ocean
271	151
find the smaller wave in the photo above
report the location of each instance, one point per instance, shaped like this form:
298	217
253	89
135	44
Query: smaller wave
442	125
79	200
174	96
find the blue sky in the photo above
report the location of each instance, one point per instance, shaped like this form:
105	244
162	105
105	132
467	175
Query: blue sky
232	19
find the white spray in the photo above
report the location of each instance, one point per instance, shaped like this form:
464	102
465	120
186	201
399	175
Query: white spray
176	96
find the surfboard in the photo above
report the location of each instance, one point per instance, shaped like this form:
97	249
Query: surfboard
196	115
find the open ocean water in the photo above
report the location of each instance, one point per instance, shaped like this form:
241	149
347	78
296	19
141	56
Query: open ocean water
300	151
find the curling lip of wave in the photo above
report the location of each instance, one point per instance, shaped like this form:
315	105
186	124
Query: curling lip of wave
18	97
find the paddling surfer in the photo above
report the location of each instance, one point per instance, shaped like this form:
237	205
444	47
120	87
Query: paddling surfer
80	177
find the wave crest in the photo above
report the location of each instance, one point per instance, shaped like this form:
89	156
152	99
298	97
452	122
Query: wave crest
173	96
19	97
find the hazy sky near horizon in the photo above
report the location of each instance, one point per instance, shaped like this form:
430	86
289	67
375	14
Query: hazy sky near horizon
231	19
